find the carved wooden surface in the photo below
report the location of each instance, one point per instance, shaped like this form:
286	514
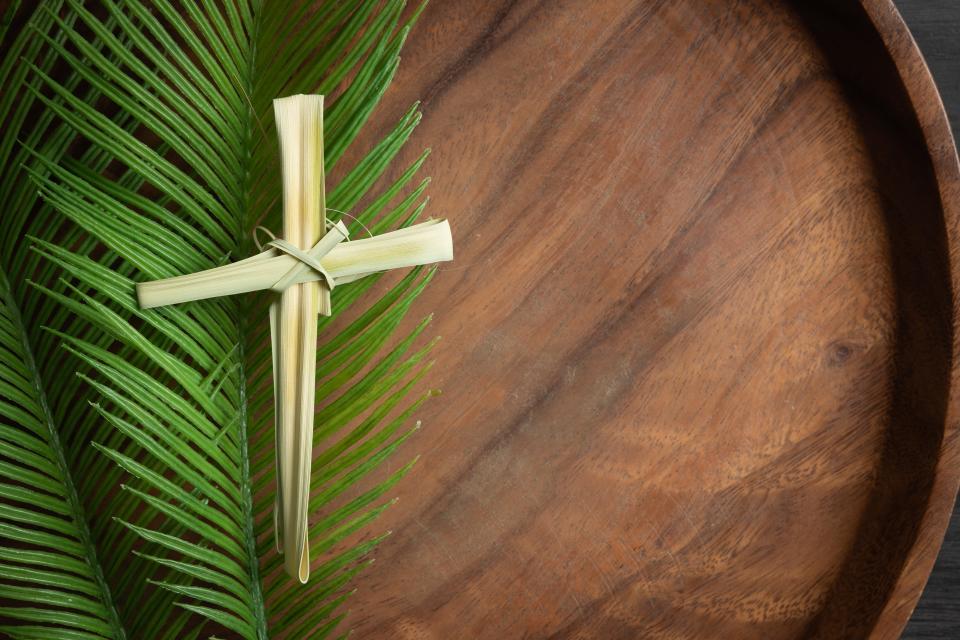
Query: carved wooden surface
697	365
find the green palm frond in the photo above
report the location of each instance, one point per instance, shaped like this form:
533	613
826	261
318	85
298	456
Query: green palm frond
136	446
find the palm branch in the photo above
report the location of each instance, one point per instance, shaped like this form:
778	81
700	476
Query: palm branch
136	446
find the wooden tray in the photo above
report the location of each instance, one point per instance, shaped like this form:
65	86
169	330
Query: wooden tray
698	339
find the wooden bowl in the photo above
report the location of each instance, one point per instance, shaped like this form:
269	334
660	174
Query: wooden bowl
698	356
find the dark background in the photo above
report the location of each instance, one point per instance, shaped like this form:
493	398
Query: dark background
936	27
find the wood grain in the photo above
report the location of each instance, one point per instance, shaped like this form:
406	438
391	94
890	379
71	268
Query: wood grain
698	366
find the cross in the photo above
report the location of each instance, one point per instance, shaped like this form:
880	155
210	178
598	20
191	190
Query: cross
302	268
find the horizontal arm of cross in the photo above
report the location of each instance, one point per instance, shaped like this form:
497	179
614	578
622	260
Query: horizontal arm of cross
419	244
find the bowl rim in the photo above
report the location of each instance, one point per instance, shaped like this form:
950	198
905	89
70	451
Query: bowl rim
928	107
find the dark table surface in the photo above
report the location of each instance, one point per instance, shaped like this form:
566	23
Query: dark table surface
936	27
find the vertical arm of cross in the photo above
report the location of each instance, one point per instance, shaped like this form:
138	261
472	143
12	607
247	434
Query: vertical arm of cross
294	323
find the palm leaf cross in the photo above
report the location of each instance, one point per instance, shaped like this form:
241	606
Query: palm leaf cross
303	268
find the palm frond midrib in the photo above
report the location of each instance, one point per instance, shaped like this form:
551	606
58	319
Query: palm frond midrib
76	511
